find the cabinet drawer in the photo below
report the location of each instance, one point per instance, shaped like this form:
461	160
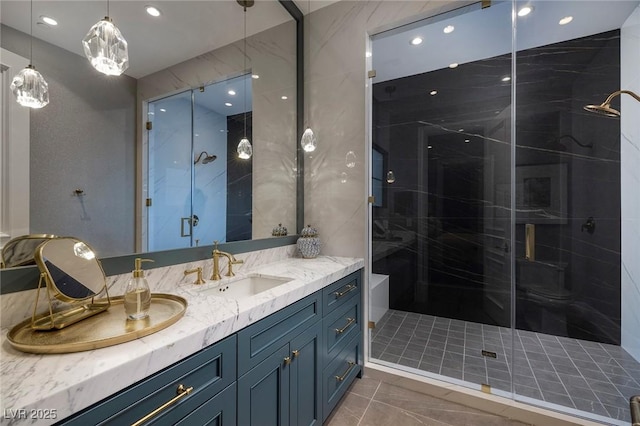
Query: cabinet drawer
340	326
208	372
218	411
340	373
257	341
334	295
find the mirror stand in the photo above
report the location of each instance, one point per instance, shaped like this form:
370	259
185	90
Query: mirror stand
63	318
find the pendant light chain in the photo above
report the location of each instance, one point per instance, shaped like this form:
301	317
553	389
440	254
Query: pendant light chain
31	33
244	69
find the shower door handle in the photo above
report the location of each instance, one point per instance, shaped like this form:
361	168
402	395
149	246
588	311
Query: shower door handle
188	223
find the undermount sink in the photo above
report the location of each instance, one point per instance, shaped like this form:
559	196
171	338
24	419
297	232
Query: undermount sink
245	287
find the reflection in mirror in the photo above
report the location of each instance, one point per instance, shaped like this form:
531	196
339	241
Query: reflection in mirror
71	274
200	189
90	137
19	251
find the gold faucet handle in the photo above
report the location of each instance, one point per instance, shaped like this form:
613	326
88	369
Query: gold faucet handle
232	261
198	270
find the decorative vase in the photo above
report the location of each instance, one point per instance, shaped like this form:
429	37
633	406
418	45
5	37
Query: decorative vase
279	231
309	243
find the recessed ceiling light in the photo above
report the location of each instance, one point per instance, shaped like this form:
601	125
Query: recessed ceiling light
232	92
433	92
525	11
506	78
416	41
467	141
461	130
284	98
48	20
197	134
228	104
222	130
367	55
429	147
255	76
449	29
163	110
453	65
565	20
151	113
153	11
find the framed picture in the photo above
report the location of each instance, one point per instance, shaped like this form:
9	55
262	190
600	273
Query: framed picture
541	194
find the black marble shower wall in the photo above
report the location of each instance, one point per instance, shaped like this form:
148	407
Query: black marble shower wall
442	230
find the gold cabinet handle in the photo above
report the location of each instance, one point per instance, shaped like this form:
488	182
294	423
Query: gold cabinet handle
181	391
295	353
349	322
346	373
347	289
287	360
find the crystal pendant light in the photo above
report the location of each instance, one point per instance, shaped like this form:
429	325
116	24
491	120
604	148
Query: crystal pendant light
29	87
309	142
245	150
105	47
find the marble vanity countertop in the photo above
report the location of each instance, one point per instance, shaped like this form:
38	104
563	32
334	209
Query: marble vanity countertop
34	384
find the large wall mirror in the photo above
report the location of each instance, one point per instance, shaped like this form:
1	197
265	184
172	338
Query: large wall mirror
91	152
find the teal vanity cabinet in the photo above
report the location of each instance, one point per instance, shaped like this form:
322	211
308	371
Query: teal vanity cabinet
290	368
211	373
279	367
342	343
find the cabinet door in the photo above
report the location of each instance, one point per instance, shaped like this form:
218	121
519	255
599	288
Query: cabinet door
306	386
263	393
218	411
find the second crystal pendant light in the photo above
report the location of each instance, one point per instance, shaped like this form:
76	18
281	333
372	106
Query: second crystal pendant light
106	48
308	140
244	149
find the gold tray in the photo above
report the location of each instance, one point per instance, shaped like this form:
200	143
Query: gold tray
104	329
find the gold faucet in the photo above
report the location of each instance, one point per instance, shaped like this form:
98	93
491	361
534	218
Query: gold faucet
216	263
198	270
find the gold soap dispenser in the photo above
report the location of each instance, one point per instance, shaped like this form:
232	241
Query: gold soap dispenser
137	296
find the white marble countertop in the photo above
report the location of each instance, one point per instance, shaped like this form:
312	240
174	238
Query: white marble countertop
67	383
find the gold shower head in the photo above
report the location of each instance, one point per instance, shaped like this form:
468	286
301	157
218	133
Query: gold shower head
605	107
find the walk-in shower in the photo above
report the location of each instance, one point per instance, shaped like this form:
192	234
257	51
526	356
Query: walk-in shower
503	244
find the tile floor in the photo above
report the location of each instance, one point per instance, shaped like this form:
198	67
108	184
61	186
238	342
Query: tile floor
581	375
370	402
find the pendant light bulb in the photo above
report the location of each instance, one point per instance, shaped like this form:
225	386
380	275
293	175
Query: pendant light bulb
245	150
28	86
308	140
106	49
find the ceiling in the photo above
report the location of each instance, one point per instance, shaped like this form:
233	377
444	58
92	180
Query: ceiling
184	30
486	33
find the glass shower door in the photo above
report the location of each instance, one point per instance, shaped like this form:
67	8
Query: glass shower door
171	222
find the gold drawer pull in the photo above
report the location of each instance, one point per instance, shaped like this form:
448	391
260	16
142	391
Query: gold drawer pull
346	373
295	353
287	360
349	322
348	289
181	391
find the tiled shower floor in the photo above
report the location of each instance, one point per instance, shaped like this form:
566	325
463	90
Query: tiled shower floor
587	376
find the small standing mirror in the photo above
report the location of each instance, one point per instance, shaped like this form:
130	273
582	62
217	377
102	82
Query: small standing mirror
73	275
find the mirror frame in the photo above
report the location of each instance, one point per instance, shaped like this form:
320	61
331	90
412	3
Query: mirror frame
26	278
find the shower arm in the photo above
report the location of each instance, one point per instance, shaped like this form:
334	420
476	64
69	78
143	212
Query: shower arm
619	92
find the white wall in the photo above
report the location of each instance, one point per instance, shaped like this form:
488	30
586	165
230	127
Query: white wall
630	154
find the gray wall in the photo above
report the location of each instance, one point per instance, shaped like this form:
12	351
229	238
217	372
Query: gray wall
85	139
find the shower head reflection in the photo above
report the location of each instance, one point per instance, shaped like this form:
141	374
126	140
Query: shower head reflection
605	107
207	159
